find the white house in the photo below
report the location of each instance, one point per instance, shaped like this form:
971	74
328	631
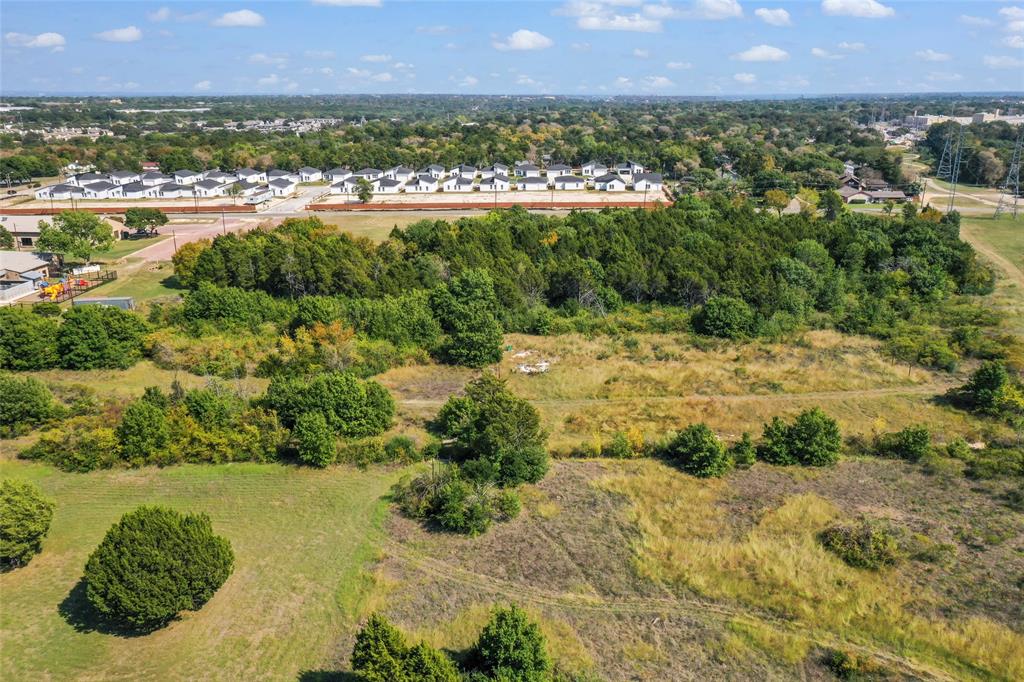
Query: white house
84	179
433	170
279	174
60	192
558	170
247	189
261	194
594	169
173	190
370	174
210	188
423	183
495	183
628	169
337	174
464	170
387	186
310	174
647	182
400	173
187	177
527	170
139	190
102	190
250	175
155	179
347	186
124	177
221	177
281	187
569	182
458	183
532	184
610	182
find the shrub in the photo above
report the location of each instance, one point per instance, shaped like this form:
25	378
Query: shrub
155	563
100	337
455	502
24	403
352	407
467	311
27	341
511	648
25	517
618	447
725	317
78	445
142	432
911	444
423	663
401	449
813	439
698	451
983	390
314	439
464	507
498	428
864	544
742	452
381	654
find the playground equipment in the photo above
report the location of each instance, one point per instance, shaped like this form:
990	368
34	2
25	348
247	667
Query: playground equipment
52	291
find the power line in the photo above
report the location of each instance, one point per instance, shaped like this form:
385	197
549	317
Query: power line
1012	182
955	172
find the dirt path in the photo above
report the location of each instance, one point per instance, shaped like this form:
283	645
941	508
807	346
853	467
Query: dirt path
971	235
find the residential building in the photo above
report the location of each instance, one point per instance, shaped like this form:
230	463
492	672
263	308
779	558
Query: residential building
527	170
387	186
647	182
20	272
370	174
464	170
568	182
282	187
186	177
558	169
458	183
173	190
495	183
280	174
139	190
102	190
610	182
433	170
594	169
532	183
83	179
124	177
337	174
251	175
310	174
60	192
155	179
423	183
400	173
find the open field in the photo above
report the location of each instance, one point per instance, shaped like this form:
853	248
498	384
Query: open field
301	540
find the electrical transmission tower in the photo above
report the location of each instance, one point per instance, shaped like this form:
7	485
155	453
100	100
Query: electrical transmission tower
954	174
946	160
1012	183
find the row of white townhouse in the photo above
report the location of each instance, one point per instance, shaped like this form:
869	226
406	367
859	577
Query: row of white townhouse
387	182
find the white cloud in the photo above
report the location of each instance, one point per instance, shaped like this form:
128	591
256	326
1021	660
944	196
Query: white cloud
640	53
678	66
1012	12
524	39
320	54
931	55
348	3
52	41
162	14
1015	26
974	21
327	71
528	81
852	47
623	82
864	9
468	81
261	58
774	17
822	53
241	18
944	77
1002	62
358	73
658	82
1016	42
403	66
581	47
619	22
762	53
375	58
717	9
272	79
202	85
602	15
128	34
384	77
745	78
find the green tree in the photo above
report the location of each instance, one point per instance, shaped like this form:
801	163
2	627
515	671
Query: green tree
743	453
424	663
467	310
6	238
364	190
154	563
75	233
832	204
100	337
813	439
726	317
699	452
24	403
984	387
314	439
234	191
351	407
25	516
511	648
143	432
27	340
776	199
379	651
185	260
144	219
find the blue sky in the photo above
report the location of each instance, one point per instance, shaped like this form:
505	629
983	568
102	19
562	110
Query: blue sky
597	47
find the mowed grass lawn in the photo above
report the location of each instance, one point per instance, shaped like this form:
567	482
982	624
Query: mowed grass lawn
302	539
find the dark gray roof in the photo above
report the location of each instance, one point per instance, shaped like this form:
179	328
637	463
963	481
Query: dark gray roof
278	173
122	174
608	177
186	173
174	187
434	167
569	178
369	171
650	177
154	175
209	183
220	175
309	169
533	181
281	182
339	169
559	167
247	171
387	182
86	177
402	169
595	163
497	177
100	186
243	185
67	188
526	166
135	187
426	178
464	181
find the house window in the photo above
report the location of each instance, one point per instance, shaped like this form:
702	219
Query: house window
26	241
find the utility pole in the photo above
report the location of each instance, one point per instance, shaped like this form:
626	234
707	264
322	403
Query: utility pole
955	175
1012	182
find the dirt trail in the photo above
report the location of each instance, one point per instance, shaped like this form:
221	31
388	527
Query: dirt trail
970	234
690	607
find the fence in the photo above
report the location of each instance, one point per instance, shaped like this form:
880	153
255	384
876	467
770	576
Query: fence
75	286
8	294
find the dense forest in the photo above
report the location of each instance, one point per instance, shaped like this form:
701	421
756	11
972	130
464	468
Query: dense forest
987	149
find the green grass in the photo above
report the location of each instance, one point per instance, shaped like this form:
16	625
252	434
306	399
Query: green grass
302	540
148	283
126	247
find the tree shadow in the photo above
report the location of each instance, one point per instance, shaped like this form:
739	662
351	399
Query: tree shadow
76	610
328	676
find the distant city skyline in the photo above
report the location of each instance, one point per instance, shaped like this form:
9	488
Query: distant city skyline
574	47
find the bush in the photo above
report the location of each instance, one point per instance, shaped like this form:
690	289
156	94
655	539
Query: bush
813	439
910	444
24	403
511	648
25	517
142	432
352	407
725	317
314	439
79	445
380	654
621	446
27	341
742	452
155	563
455	502
698	451
467	311
865	544
495	427
984	389
401	449
100	337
